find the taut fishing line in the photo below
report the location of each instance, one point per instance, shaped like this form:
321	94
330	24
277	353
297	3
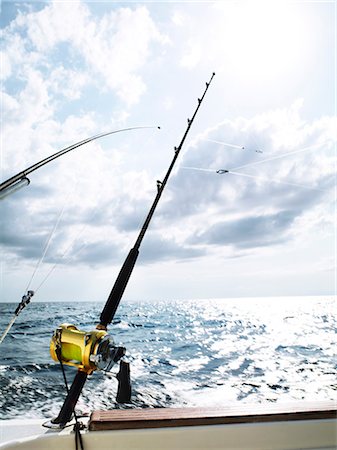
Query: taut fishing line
222	171
198	168
275	181
293	152
226	144
65	255
47	244
234	170
6	185
61	257
27	297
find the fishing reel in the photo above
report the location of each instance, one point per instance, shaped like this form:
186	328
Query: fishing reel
87	351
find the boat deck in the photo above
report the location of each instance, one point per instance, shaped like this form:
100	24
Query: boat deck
300	426
182	417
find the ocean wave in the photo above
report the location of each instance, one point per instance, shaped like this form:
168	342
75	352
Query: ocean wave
181	354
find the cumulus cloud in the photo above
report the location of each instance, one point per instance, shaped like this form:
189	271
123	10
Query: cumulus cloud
53	56
94	254
248	232
158	247
201	210
104	46
268	194
58	58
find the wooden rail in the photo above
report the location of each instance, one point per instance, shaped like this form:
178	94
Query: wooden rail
178	417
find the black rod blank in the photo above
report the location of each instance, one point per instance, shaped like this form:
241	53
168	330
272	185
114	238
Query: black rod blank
121	282
22	175
116	294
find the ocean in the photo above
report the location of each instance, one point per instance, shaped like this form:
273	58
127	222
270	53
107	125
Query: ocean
215	352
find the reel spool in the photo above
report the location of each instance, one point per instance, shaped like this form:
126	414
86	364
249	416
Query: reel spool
87	351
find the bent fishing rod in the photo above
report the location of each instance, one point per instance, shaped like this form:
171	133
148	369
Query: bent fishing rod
20	180
96	350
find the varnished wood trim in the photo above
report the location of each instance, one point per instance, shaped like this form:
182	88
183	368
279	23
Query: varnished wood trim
177	417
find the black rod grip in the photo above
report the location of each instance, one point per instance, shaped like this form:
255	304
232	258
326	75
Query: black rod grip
118	289
71	399
124	383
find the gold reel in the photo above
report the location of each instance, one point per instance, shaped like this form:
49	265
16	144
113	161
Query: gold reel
88	351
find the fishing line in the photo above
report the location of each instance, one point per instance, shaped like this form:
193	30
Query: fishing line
310	147
67	258
27	297
54	267
78	425
94	212
223	171
61	214
67	250
47	244
293	152
251	136
9	326
198	168
7	185
275	181
241	147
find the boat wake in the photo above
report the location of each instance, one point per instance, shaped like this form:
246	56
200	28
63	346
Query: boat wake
188	353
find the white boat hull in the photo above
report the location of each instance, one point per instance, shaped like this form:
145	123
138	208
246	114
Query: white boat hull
164	429
317	434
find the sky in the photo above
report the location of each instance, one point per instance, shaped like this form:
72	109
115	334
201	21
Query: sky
71	70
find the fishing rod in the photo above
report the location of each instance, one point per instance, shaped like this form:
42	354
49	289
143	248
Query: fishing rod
96	350
24	302
20	180
26	298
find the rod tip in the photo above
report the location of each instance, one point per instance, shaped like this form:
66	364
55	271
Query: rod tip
158	128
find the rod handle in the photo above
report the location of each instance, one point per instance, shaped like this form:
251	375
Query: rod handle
71	399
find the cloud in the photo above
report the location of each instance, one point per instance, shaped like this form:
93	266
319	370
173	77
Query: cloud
157	247
248	232
99	47
72	89
69	73
95	254
273	191
18	244
52	57
200	211
192	56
